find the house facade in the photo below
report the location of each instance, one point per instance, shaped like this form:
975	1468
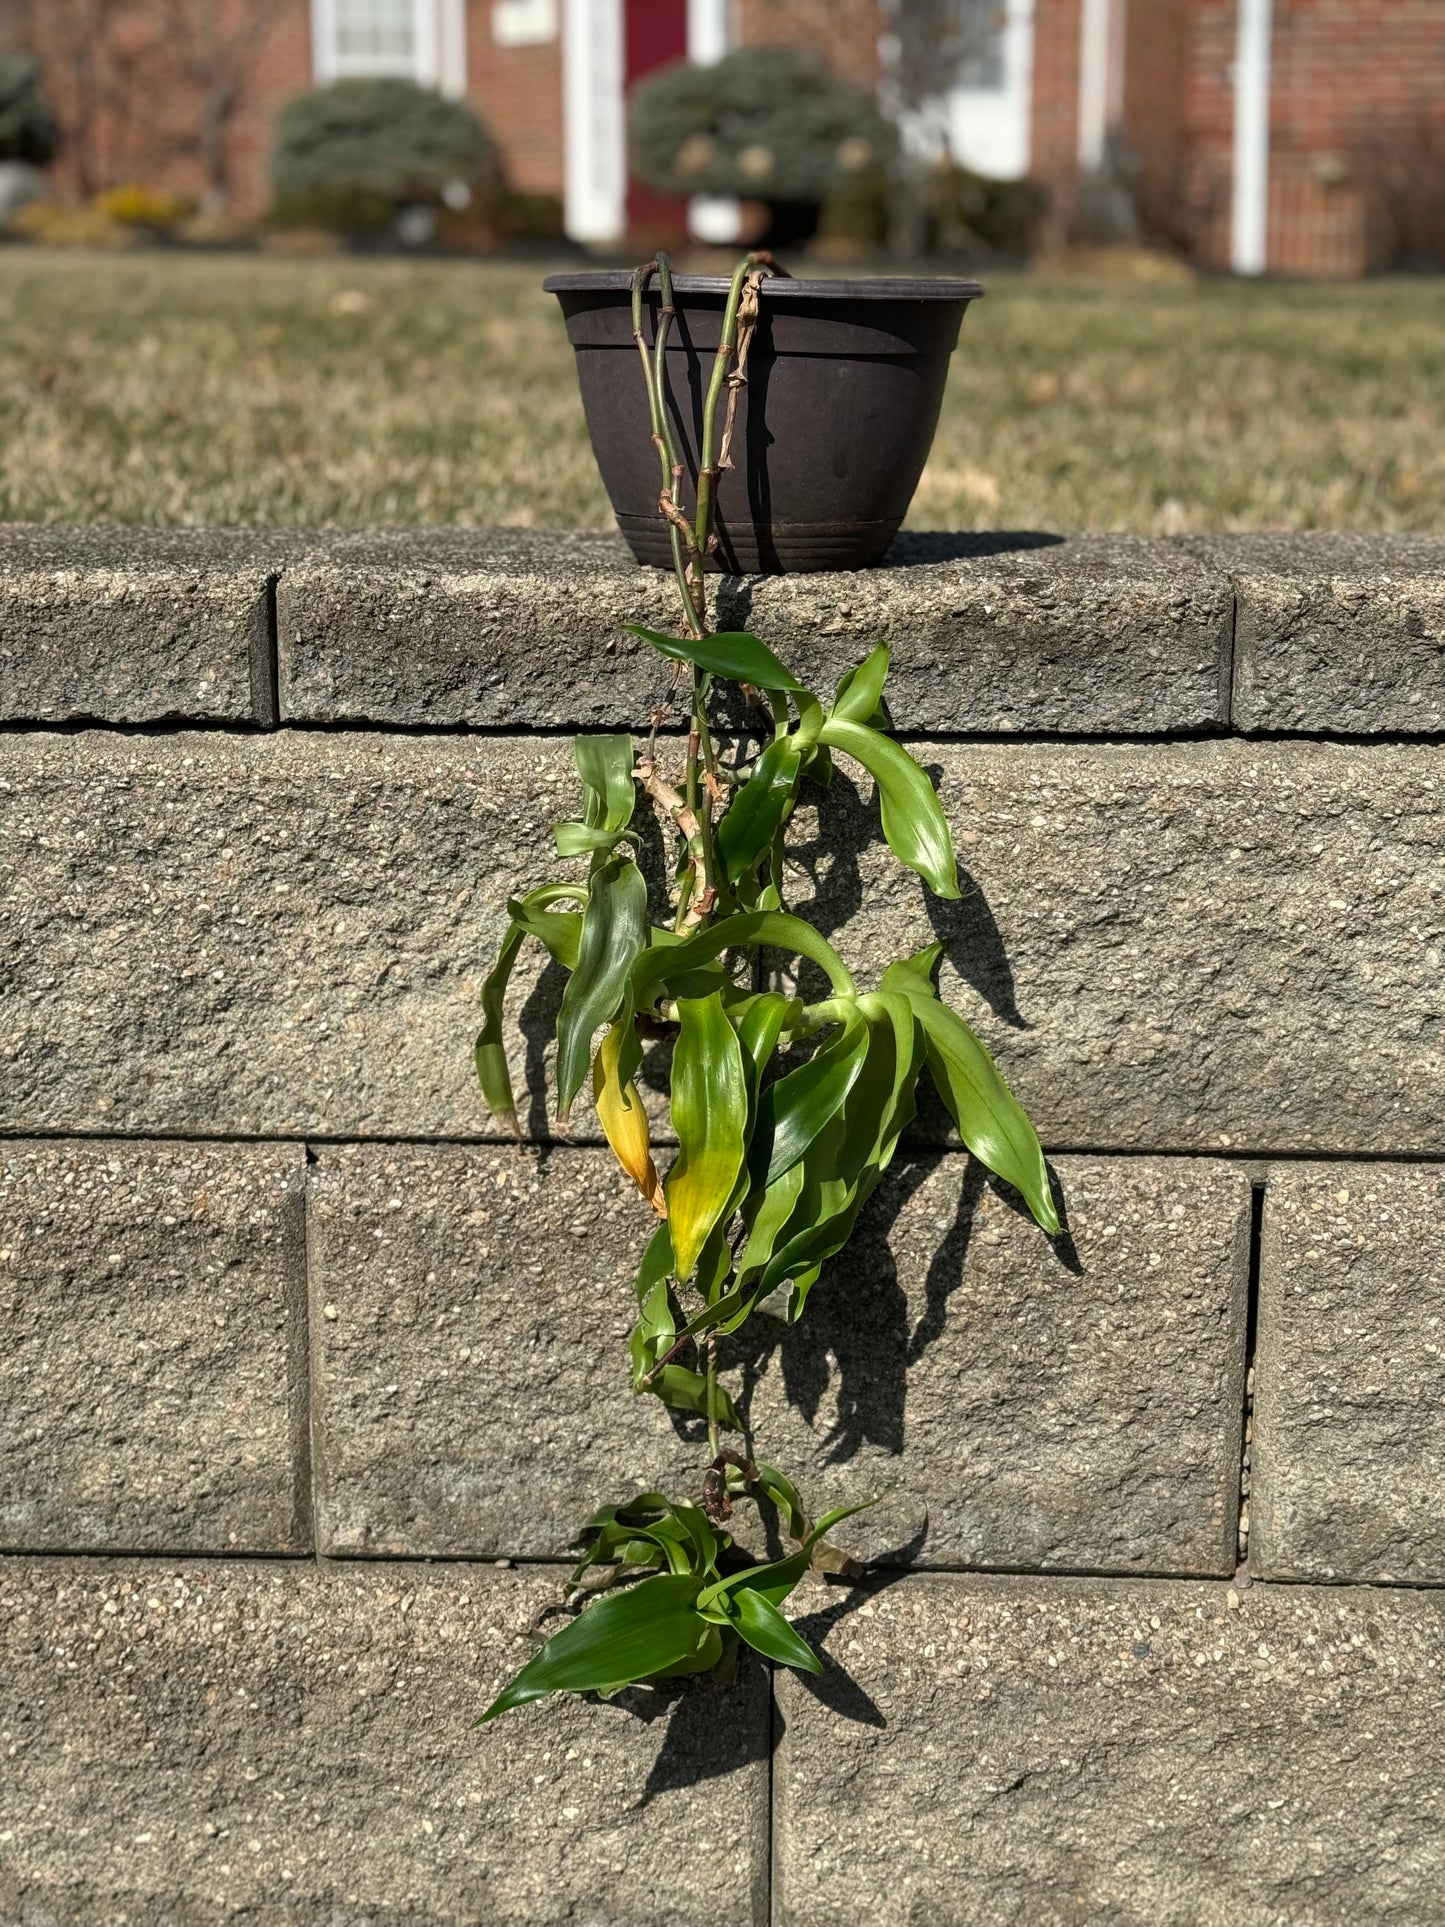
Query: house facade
1263	135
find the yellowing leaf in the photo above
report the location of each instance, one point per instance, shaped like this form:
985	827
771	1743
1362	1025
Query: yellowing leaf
619	1108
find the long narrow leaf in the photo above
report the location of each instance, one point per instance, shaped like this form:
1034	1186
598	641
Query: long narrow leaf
659	966
614	927
760	808
736	657
490	1055
605	765
626	1636
990	1119
913	820
860	693
767	1632
797	1107
709	1115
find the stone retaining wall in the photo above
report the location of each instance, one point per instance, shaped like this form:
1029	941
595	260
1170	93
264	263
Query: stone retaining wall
282	1321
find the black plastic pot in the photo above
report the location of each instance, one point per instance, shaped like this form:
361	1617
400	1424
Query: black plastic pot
845	381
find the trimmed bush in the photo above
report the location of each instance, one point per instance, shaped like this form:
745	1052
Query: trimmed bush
28	130
766	124
973	215
350	155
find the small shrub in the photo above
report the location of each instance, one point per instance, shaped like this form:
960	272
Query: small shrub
135	205
28	129
854	219
348	156
52	226
767	124
972	214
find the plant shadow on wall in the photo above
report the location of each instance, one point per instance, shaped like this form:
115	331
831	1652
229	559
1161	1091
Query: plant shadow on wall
788	1105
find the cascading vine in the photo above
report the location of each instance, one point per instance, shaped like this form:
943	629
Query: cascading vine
770	1173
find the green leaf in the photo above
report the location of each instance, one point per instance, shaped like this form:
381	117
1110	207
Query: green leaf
796	1108
860	693
490	1054
605	765
759	809
913	976
709	1115
625	1636
614	929
657	968
990	1119
767	1632
560	931
686	1391
735	657
784	1495
913	820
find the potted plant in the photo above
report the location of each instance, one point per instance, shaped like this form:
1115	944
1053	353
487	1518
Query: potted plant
833	392
775	1158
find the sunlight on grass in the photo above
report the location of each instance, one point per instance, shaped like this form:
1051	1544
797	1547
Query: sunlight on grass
156	388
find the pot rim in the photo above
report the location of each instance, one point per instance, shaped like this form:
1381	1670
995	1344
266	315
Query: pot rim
775	287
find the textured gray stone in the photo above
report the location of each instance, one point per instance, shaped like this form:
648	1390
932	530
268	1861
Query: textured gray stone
1336	633
1018	1753
510	629
136	625
1024	1406
1188	946
1209	945
265	934
152	1347
470	1312
1348	1474
216	1740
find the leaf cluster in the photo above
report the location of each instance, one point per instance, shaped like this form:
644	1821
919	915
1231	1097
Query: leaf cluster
786	1112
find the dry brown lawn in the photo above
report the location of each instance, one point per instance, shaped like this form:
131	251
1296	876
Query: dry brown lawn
155	387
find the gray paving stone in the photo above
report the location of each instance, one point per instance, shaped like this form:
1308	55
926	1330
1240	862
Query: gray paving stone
1336	633
1348	1473
136	625
507	629
1185	947
1021	1405
214	1740
152	1347
470	1310
470	1313
1024	1753
1207	945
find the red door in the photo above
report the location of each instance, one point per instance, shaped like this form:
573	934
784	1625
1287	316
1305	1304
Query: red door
655	35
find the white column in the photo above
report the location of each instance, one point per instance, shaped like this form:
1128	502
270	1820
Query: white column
426	68
594	120
323	43
452	47
1249	228
714	218
708	36
1094	37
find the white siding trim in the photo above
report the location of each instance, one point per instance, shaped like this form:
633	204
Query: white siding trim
594	121
452	47
709	34
1249	224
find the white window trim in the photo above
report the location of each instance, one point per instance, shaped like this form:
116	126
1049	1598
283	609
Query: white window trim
991	129
594	120
427	69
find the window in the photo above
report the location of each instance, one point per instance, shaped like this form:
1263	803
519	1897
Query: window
372	37
524	23
982	25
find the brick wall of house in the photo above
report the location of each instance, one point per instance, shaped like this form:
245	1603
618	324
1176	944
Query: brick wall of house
845	32
518	91
1054	111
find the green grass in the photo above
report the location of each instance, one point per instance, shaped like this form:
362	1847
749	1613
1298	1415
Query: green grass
162	388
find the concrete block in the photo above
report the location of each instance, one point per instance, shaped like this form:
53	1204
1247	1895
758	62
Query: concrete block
1191	946
1348	1471
510	629
1023	1405
470	1313
136	625
152	1347
1336	634
1023	1753
216	1740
